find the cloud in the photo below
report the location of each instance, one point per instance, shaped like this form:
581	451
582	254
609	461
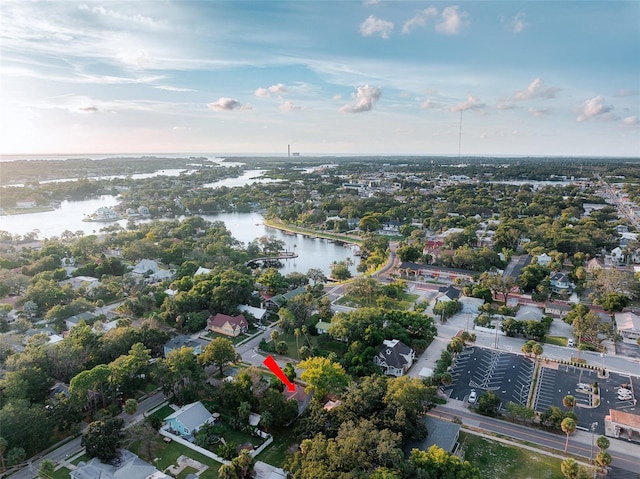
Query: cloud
139	58
625	92
88	109
429	105
289	106
595	108
517	23
372	2
536	89
376	26
227	104
272	90
505	106
139	19
452	21
419	19
365	97
538	111
631	122
471	104
173	88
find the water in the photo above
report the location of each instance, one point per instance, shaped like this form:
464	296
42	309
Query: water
245	227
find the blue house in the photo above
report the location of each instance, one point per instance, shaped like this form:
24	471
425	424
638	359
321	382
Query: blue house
187	420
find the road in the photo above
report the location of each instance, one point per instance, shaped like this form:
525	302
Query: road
625	455
73	447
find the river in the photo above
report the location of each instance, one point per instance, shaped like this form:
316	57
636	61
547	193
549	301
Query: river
245	227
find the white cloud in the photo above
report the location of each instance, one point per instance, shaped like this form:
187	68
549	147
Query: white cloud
137	18
472	103
595	108
88	109
536	89
452	21
173	88
505	106
371	2
419	19
337	96
538	111
630	122
289	106
429	105
226	104
625	92
517	23
365	97
376	26
272	90
139	58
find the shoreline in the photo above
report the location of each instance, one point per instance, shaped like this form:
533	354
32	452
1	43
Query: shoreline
277	224
25	211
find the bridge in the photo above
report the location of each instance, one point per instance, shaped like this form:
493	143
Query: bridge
270	260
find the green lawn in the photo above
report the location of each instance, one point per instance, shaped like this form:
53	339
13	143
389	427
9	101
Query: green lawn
403	303
276	453
556	340
497	460
323	348
211	335
163	412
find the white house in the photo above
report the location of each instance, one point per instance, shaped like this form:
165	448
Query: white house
544	259
394	357
145	267
617	255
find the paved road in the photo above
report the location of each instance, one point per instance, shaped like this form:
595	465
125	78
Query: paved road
73	447
625	455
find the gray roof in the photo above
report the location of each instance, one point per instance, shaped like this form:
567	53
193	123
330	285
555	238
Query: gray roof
442	433
129	466
182	340
394	353
192	416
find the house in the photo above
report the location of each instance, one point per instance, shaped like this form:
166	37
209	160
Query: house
201	270
323	327
557	309
622	424
257	313
228	325
394	357
529	313
145	267
559	282
594	265
187	420
628	326
447	293
86	282
182	341
280	300
544	259
73	321
26	204
161	275
129	466
443	434
617	255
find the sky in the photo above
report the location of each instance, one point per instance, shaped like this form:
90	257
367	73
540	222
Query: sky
534	78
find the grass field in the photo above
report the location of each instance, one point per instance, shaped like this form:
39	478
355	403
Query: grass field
499	461
556	340
276	453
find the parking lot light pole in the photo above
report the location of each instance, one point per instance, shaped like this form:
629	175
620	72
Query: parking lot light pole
594	425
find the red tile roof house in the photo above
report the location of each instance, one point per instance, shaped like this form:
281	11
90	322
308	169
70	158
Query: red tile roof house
227	325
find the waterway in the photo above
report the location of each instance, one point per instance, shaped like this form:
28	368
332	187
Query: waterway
245	227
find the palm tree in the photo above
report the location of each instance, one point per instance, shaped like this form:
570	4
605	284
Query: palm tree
296	332
603	443
603	459
569	401
570	468
568	426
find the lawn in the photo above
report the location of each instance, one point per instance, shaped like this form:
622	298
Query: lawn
497	460
211	335
556	340
403	303
324	347
163	412
276	453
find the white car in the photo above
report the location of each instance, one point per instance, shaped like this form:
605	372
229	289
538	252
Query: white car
473	396
624	394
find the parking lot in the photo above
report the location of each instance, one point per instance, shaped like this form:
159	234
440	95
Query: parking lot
507	375
556	383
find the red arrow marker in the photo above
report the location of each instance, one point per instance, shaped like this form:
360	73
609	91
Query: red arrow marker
275	369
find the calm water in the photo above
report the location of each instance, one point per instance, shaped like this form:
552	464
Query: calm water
313	252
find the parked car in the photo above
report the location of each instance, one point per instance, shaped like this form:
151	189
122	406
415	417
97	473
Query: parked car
473	396
570	342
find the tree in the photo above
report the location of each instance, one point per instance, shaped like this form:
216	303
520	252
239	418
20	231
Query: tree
130	406
498	284
570	468
603	443
103	438
179	372
488	404
323	376
316	275
437	463
340	270
273	280
219	352
569	401
603	459
46	470
3	448
568	426
144	436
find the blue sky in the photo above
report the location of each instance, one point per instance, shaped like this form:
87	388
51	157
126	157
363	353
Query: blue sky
536	78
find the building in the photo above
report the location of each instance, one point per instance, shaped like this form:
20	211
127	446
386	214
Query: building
559	282
557	309
628	326
544	259
129	466
394	357
228	325
257	313
447	293
182	341
145	267
441	433
187	420
73	321
622	425
323	327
